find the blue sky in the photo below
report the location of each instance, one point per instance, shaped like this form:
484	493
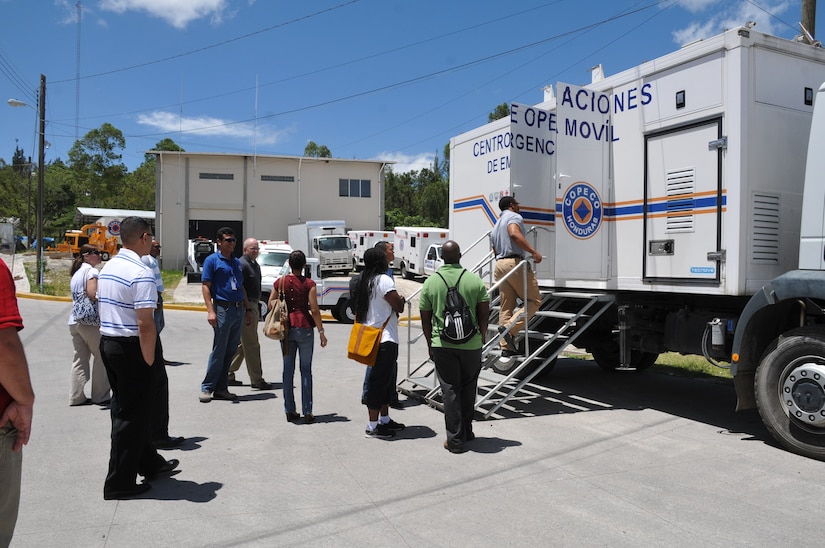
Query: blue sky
370	79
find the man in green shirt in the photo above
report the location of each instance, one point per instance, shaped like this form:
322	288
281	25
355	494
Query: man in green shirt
458	365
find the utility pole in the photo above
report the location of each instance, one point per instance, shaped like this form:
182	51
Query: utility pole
808	21
41	173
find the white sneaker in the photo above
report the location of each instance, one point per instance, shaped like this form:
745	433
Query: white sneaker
206	396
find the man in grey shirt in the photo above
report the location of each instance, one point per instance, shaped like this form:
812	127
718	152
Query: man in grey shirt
509	246
249	347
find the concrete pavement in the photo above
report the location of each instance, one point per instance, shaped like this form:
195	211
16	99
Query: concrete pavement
590	460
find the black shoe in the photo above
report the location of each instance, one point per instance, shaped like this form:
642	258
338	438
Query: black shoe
224	395
392	425
380	432
292	416
456	449
261	385
168	442
165	469
233	382
87	401
309	419
120	494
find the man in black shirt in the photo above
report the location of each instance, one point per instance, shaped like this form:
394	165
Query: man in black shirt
249	347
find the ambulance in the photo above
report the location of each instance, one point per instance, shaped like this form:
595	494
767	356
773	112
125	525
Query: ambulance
418	249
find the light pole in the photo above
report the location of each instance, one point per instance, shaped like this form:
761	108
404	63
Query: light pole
41	173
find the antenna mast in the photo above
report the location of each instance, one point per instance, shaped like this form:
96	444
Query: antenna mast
77	75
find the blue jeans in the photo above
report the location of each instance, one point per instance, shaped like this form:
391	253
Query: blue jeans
301	341
227	333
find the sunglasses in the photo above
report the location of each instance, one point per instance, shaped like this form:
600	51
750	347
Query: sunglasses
230	240
95	252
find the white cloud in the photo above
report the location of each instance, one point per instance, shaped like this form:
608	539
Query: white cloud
406	162
177	13
730	15
169	122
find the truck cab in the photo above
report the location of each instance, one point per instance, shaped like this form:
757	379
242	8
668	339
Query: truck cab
433	260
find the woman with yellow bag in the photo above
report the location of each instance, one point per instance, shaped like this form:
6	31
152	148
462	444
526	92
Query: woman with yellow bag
376	303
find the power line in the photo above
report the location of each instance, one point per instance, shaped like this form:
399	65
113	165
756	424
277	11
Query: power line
212	46
417	78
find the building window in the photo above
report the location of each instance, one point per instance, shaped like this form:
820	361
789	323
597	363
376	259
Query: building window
219	176
354	188
278	178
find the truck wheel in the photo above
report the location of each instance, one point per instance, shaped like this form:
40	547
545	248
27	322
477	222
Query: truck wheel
405	273
790	391
606	354
345	312
105	255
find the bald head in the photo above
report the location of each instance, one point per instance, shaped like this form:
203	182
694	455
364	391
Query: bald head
251	248
450	252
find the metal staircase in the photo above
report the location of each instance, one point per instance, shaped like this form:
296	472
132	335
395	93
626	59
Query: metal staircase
562	317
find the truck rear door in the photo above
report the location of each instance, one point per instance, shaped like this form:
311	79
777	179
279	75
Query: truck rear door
683	204
582	183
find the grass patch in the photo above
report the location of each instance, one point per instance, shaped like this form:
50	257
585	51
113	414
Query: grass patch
171	279
690	366
681	365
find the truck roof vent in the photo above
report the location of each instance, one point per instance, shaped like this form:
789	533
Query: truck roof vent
680	188
765	215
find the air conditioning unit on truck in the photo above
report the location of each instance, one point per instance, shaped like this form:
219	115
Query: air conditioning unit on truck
675	191
326	241
418	249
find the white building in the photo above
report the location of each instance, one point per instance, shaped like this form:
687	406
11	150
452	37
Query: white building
259	196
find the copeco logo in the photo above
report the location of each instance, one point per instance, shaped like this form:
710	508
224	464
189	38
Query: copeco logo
494	197
582	210
114	228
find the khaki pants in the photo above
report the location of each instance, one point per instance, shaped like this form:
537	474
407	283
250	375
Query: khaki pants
11	466
513	289
249	349
86	342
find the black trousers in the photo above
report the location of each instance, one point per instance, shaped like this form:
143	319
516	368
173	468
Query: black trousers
458	372
132	381
381	383
160	405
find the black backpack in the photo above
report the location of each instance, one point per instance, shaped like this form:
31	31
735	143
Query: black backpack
458	322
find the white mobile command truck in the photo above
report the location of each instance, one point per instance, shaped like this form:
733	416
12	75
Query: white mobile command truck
675	196
418	249
362	240
326	241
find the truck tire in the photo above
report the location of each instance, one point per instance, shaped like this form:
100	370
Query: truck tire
790	391
606	354
405	273
345	312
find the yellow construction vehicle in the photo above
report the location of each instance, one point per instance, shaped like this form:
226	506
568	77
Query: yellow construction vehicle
94	234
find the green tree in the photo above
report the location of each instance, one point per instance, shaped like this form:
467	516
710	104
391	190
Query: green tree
501	111
96	164
18	203
312	150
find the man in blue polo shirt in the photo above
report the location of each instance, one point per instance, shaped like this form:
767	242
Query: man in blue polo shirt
226	308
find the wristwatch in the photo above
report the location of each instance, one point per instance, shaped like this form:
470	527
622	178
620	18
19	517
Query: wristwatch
321	330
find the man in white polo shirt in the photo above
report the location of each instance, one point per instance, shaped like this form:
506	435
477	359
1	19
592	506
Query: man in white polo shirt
127	296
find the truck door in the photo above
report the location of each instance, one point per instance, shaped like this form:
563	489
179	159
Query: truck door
433	260
582	183
683	204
